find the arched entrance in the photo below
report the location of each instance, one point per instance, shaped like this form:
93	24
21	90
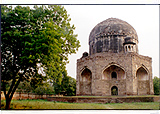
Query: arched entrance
114	90
85	86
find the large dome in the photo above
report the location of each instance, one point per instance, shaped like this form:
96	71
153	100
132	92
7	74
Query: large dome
111	35
113	25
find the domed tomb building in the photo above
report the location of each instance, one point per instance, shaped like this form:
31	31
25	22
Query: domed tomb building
113	65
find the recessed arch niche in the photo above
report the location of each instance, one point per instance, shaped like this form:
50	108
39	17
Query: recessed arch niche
113	72
142	74
86	77
143	81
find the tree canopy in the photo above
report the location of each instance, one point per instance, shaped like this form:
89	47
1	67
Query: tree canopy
67	86
32	39
156	85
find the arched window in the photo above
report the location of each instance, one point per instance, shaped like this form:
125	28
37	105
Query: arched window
114	90
129	48
126	48
114	75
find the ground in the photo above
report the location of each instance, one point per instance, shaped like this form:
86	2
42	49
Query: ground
44	104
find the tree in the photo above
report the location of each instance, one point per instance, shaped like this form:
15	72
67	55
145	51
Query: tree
71	89
156	84
36	38
44	89
20	89
50	90
67	86
25	87
41	90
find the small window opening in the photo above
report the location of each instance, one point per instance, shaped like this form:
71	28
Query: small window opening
114	75
129	48
126	48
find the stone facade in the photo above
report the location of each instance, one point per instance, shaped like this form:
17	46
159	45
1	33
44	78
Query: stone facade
113	65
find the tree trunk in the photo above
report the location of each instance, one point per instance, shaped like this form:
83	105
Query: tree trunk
10	93
8	102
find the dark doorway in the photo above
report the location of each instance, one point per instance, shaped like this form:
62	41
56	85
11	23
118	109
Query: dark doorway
114	75
114	90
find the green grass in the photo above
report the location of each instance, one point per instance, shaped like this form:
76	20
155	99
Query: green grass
43	104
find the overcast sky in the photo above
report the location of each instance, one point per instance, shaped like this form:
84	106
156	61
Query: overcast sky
143	18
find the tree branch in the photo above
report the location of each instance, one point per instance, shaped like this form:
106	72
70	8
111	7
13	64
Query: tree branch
15	87
4	88
11	87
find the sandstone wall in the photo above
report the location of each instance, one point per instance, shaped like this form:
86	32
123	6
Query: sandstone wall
127	82
142	86
104	99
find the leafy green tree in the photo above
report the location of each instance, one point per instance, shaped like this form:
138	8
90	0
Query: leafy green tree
44	89
20	89
156	84
41	90
50	90
28	88
24	87
67	86
34	39
71	87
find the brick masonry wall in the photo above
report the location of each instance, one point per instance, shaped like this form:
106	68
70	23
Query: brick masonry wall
129	62
142	86
104	100
21	96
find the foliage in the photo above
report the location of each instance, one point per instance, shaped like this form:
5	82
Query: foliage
35	45
41	90
50	90
24	87
70	87
67	86
156	84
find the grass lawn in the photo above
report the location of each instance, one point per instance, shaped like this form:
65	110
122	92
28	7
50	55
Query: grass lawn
43	104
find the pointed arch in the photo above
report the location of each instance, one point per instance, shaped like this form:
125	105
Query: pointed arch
85	81
142	73
86	74
113	71
114	90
